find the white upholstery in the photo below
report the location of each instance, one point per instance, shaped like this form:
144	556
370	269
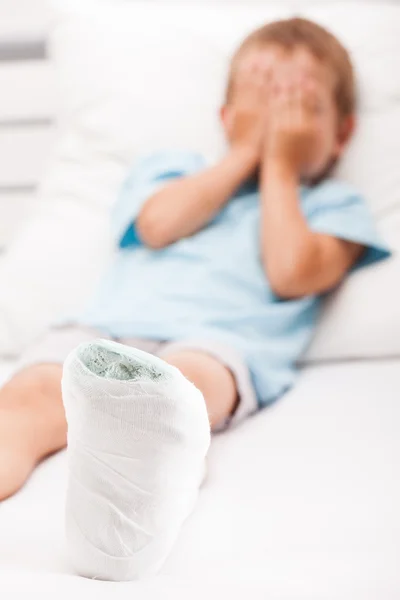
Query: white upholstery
300	503
132	80
26	110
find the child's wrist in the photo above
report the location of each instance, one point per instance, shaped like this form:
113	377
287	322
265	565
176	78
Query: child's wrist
246	157
279	168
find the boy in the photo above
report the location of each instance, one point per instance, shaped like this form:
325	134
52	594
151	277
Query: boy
220	272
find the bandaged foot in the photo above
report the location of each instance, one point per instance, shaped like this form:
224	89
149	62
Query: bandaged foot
138	434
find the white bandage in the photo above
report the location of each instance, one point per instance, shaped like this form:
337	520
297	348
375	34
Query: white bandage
138	434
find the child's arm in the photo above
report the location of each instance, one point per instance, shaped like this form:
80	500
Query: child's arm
298	261
185	205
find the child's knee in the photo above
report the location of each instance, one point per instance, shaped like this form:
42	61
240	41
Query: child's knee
35	380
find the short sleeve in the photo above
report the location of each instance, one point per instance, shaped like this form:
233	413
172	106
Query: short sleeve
335	209
147	176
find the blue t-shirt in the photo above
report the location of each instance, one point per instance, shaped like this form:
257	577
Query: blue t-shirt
212	285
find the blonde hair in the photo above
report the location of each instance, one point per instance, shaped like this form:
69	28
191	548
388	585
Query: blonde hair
291	33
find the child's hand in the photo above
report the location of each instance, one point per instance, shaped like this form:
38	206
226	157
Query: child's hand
250	108
292	135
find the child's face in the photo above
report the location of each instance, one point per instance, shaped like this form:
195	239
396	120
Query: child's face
284	69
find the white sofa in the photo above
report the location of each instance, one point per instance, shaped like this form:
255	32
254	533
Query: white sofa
301	502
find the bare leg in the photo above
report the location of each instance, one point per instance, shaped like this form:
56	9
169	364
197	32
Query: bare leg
215	381
32	420
32	423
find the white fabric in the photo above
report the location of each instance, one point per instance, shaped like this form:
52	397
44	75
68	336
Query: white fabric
138	435
135	79
300	502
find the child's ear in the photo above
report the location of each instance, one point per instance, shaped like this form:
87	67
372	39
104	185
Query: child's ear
226	116
346	130
223	114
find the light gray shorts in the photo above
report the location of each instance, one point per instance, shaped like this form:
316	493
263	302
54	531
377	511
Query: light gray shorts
59	341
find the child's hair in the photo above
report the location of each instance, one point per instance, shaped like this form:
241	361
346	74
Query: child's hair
295	32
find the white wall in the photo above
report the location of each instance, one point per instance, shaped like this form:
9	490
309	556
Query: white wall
20	17
26	107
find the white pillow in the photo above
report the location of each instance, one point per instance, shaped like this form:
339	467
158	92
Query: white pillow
134	79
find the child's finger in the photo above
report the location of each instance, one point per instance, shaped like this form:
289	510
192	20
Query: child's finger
267	77
275	101
244	82
288	85
299	94
283	107
252	82
259	80
275	113
313	95
292	79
